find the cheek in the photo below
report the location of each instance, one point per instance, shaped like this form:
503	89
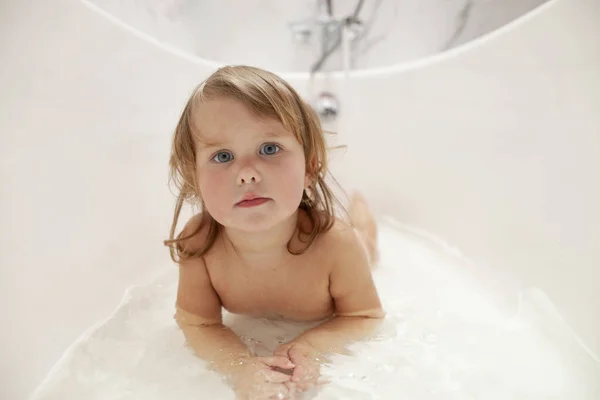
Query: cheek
291	179
213	192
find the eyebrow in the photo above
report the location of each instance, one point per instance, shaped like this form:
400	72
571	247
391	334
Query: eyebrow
210	145
273	134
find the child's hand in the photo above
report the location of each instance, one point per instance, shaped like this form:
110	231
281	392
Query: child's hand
307	368
255	379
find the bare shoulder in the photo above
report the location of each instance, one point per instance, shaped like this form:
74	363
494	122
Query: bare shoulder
342	248
197	300
194	234
341	238
351	281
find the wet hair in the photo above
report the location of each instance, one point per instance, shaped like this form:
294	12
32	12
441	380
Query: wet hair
266	95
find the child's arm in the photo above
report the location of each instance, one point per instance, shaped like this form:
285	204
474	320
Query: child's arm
357	308
357	305
198	314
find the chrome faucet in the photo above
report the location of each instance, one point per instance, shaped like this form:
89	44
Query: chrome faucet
329	27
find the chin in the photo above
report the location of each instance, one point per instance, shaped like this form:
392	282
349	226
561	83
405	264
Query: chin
257	223
261	221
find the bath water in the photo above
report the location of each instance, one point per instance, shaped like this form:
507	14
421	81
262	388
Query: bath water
443	338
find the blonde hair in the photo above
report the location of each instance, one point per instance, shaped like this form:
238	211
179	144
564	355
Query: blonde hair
267	95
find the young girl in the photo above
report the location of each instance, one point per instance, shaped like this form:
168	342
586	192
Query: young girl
267	242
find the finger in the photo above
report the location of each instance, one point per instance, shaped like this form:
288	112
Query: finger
292	390
275	377
304	386
279	396
299	373
323	381
289	396
278	361
282	350
274	391
303	352
294	387
305	378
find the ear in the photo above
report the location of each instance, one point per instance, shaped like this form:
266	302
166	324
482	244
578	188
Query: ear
308	180
309	177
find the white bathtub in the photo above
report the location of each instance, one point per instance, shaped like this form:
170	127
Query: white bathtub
494	147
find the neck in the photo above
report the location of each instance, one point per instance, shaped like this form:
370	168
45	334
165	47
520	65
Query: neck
269	242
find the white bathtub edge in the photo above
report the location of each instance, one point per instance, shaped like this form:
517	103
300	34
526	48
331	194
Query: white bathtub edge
357	73
86	334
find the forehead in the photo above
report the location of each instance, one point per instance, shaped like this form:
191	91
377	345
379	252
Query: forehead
219	120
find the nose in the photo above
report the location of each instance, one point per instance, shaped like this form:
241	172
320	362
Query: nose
248	174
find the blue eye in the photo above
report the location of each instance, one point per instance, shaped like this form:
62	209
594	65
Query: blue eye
269	149
223	157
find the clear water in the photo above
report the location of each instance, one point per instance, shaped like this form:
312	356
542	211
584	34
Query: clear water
443	338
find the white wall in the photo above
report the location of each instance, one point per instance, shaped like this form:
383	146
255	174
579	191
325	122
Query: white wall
495	149
86	111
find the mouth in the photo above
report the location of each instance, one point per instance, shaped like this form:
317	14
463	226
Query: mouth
252	202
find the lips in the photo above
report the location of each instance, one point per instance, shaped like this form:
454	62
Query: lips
251	200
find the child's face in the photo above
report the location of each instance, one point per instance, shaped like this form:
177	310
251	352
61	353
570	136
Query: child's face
247	156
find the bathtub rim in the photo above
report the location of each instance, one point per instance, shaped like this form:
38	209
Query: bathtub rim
419	63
